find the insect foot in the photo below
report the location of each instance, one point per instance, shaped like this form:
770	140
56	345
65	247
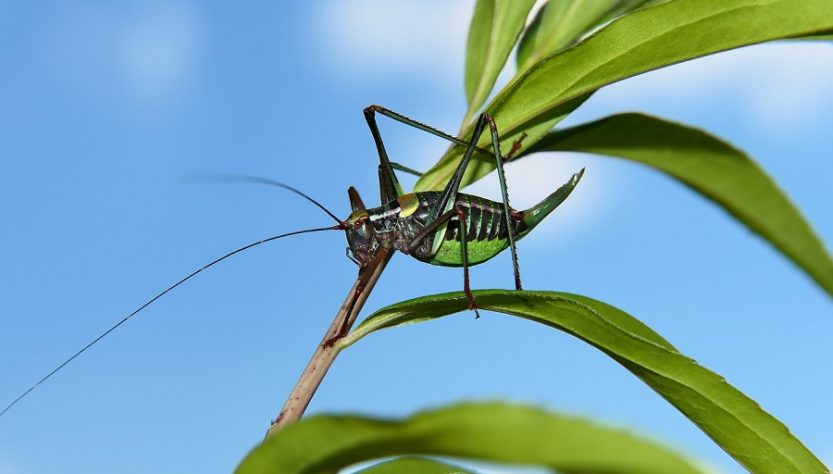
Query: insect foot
472	303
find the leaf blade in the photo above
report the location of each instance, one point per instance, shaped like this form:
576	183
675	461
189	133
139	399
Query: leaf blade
712	168
495	27
494	431
739	425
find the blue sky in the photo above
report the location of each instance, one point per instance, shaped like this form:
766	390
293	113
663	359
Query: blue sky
108	108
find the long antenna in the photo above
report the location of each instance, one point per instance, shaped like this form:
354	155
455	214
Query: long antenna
140	308
243	178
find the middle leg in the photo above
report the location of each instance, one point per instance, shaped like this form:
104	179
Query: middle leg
464	255
434	227
504	190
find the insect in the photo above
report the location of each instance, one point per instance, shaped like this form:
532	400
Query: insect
447	227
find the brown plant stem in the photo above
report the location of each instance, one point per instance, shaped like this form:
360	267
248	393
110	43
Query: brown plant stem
326	351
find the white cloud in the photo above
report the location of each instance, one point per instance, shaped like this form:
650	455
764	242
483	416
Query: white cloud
380	37
791	84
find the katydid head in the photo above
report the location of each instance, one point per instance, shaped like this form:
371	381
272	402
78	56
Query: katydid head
361	236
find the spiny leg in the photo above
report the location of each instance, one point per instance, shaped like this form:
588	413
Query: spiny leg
516	145
384	179
464	253
505	192
448	203
449	194
389	184
418	125
414	123
446	207
429	229
389	187
432	228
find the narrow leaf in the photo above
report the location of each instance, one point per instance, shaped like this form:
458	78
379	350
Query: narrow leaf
497	432
740	426
494	29
641	41
710	167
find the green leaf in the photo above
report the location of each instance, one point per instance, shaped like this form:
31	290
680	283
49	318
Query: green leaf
711	167
414	466
494	29
496	432
641	41
561	23
739	425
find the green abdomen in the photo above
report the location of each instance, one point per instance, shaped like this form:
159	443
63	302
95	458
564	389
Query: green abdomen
450	254
486	232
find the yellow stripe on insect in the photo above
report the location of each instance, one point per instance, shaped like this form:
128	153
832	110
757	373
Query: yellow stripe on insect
408	204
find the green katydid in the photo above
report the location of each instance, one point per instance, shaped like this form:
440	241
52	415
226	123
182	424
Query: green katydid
446	227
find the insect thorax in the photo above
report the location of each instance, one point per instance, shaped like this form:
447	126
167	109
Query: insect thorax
398	223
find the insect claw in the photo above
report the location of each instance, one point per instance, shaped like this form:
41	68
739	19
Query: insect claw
473	305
